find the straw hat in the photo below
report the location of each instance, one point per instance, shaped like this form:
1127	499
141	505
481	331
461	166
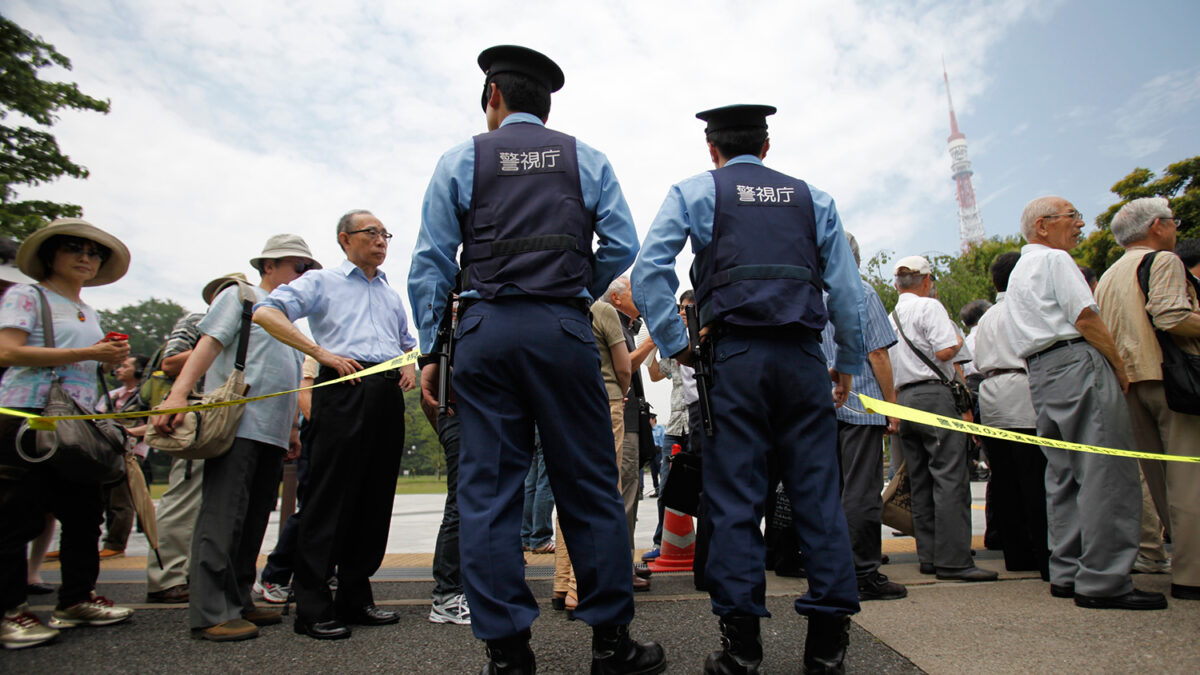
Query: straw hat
282	246
110	270
212	288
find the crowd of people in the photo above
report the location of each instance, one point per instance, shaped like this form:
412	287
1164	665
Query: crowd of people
544	411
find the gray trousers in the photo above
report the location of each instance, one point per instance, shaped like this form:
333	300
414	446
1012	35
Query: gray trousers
1093	502
860	447
941	487
240	487
176	516
630	486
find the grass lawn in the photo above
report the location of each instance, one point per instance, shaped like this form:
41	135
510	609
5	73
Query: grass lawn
405	485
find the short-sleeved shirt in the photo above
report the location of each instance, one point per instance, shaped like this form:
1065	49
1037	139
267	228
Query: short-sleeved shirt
28	387
1124	309
1004	399
606	326
184	335
877	334
930	329
1046	294
271	366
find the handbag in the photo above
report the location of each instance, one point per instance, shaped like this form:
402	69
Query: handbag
964	400
681	490
79	451
209	433
646	447
1180	370
897	502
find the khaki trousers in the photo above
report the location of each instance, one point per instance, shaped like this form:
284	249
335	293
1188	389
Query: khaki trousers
1175	485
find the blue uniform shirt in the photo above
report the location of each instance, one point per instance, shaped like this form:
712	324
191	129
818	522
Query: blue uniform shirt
687	213
877	334
349	315
448	199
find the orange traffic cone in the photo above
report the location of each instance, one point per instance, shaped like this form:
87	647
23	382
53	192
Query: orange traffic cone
678	548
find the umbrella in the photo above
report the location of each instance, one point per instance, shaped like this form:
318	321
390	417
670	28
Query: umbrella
142	503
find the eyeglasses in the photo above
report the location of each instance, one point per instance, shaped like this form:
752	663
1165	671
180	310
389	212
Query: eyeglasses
373	233
1177	221
303	266
85	248
1073	215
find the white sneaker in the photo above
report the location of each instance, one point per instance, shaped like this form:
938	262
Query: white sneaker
1145	565
273	594
19	628
96	611
451	610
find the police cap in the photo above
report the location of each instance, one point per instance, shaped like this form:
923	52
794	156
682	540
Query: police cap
527	62
736	116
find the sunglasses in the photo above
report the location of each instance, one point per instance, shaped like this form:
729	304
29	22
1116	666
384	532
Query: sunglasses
84	248
303	266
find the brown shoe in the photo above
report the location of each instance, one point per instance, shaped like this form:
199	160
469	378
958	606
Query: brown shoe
52	555
261	616
230	631
170	596
111	553
640	584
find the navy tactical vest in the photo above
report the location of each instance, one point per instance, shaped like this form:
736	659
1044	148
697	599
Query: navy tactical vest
527	228
763	266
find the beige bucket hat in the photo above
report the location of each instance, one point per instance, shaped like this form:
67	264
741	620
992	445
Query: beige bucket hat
281	246
110	270
212	288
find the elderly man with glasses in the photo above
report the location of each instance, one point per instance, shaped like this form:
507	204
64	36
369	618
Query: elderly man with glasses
1077	379
357	321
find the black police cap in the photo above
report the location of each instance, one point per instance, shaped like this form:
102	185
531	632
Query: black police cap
514	59
736	116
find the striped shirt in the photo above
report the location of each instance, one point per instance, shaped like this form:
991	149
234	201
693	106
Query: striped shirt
877	334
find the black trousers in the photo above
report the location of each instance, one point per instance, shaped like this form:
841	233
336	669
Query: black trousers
27	493
447	565
357	441
1018	489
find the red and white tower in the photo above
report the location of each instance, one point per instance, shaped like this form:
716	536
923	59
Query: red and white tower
970	223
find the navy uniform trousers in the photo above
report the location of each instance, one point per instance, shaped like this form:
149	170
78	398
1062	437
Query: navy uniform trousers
521	361
771	394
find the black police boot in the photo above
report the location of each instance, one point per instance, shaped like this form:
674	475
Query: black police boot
825	646
615	653
742	653
510	656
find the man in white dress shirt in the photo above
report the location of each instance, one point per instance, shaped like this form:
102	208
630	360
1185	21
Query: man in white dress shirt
1077	380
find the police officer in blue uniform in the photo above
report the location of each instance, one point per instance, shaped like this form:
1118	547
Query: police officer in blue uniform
524	203
766	244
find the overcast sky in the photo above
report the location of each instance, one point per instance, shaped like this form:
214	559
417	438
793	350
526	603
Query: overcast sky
233	121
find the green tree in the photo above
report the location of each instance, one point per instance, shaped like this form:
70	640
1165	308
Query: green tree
427	458
147	323
1179	183
30	155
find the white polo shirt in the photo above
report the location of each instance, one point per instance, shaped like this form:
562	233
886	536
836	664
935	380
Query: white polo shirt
930	329
1046	294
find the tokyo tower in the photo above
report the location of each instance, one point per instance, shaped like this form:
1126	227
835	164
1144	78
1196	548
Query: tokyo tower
970	223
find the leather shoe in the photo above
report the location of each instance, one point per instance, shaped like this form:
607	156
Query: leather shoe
614	652
510	656
322	630
38	589
876	586
170	596
261	616
1185	592
370	615
640	584
642	570
928	568
1134	599
1064	591
967	574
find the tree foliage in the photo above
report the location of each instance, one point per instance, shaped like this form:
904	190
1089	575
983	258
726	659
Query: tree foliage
30	154
959	279
1179	183
427	458
147	323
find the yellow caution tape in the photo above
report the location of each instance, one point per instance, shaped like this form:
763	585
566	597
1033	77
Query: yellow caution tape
930	419
47	423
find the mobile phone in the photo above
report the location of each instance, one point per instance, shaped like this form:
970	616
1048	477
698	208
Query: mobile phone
114	336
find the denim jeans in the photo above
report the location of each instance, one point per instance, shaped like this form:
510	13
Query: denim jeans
537	524
446	567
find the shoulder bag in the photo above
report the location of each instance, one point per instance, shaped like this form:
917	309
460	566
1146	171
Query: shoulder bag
209	433
79	451
964	401
1180	370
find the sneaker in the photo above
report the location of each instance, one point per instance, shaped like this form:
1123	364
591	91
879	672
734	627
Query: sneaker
451	610
332	584
19	629
107	553
229	631
98	611
652	554
273	594
875	586
1145	565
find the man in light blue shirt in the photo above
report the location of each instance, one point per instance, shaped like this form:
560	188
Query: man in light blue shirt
357	427
524	204
766	244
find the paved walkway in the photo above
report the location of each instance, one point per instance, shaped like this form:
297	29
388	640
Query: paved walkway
1009	626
